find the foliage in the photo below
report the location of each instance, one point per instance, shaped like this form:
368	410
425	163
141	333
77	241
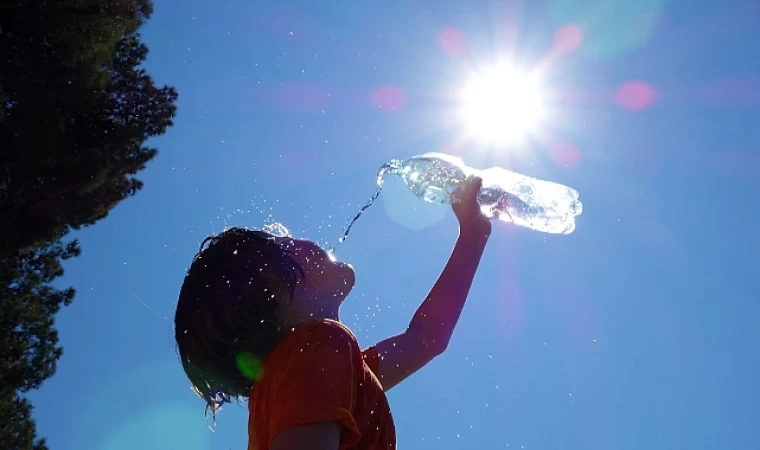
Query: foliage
76	109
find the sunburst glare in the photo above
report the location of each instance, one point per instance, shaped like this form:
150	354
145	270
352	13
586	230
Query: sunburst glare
503	104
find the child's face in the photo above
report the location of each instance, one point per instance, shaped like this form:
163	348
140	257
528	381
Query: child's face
326	282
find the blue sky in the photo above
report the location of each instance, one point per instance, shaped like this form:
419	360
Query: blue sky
636	331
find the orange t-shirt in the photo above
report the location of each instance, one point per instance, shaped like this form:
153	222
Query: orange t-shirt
318	373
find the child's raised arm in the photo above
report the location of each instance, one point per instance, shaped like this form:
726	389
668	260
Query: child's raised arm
430	330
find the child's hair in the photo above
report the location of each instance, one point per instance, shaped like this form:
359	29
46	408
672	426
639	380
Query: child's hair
226	320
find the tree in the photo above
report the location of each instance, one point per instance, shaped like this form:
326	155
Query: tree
76	109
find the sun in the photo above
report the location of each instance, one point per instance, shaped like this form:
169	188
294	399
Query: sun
502	104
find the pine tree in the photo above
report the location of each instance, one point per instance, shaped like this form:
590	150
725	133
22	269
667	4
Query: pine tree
76	109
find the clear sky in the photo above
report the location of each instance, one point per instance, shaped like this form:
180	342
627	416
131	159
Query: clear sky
637	331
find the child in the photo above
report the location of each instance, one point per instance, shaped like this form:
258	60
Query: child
257	318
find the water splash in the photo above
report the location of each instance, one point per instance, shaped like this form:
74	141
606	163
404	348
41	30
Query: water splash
392	166
277	229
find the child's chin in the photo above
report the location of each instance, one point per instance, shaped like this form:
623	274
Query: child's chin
348	275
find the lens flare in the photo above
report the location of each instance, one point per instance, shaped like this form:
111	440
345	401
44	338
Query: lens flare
249	365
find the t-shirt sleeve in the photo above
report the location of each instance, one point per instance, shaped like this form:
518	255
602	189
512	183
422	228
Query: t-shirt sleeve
319	382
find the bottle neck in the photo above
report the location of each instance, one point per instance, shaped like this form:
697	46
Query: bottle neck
393	166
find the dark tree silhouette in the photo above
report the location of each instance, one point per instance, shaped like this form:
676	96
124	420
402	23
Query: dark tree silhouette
76	109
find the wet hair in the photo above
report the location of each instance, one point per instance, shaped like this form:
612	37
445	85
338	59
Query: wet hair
226	321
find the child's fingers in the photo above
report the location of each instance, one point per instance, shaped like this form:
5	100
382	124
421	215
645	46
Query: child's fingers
473	187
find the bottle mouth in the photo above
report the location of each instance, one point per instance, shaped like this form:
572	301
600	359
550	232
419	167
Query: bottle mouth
393	166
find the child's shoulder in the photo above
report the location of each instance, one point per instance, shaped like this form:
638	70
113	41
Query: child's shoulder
318	333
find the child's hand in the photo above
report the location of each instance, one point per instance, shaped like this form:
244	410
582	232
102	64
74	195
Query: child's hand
467	210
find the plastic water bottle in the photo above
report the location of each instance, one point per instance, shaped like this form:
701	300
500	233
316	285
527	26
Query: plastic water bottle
505	195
